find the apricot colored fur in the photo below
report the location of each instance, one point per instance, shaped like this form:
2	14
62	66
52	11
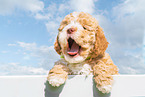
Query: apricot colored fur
94	44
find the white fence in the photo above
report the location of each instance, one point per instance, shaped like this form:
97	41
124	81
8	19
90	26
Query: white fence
75	86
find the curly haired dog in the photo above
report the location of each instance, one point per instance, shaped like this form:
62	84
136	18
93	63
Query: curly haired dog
82	43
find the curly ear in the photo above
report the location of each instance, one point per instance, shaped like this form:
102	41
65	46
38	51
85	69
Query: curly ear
57	46
101	43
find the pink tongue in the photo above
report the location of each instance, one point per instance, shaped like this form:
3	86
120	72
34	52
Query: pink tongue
74	49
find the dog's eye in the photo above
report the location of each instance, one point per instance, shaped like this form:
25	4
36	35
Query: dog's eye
84	28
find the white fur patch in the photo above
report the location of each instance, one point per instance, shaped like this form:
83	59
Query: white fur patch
56	81
80	69
105	89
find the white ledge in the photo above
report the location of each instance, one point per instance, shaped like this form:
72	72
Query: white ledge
75	86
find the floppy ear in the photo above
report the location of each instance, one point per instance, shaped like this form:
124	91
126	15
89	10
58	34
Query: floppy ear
57	46
101	43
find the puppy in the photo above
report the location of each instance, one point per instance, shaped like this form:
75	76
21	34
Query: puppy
82	44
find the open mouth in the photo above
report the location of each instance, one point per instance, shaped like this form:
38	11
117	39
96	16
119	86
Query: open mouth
73	48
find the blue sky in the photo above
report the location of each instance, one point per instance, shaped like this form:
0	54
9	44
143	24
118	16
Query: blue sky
28	29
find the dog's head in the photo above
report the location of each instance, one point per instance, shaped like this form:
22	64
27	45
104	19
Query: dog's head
80	37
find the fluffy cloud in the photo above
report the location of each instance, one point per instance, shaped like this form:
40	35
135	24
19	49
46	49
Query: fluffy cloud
45	55
42	17
82	5
130	16
11	44
125	33
9	6
4	51
18	69
129	8
52	27
27	46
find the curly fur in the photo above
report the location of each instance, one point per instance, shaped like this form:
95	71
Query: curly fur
91	57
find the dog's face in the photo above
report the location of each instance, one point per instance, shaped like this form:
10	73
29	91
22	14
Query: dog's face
80	37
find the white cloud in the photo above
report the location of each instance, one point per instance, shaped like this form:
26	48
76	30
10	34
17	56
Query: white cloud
52	15
42	17
82	5
125	34
4	52
130	16
129	8
27	46
129	70
44	54
18	69
52	8
11	44
52	27
27	57
63	7
10	6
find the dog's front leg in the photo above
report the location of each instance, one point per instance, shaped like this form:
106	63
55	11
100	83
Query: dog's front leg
58	75
103	71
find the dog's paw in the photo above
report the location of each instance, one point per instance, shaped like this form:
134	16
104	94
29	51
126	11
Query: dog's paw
105	89
55	81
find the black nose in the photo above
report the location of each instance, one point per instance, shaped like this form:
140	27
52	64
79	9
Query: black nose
70	30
